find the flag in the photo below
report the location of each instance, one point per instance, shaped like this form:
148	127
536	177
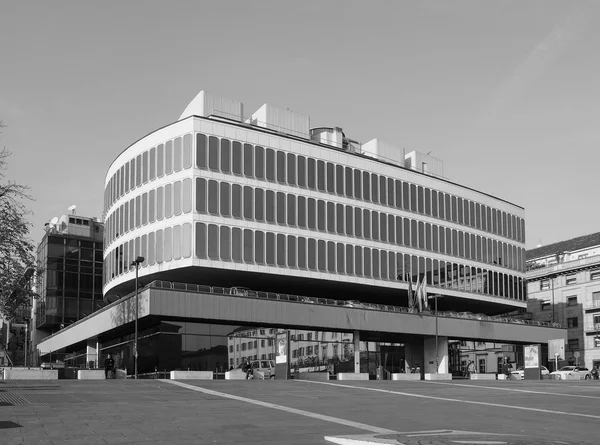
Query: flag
418	292
411	301
424	292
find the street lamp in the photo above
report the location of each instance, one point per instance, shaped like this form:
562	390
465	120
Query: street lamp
437	353
136	263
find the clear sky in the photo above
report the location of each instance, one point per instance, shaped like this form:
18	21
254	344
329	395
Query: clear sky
506	93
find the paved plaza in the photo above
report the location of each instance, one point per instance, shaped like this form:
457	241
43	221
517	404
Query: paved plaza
299	412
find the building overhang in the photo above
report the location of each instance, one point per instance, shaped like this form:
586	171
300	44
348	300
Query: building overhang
192	306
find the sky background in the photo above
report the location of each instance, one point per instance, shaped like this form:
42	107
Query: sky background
506	93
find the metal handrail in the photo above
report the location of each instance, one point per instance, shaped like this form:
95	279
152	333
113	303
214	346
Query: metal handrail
330	302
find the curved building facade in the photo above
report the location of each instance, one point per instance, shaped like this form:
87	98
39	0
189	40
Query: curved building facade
213	199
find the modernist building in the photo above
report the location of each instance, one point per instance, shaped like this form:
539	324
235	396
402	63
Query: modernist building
563	286
217	200
70	262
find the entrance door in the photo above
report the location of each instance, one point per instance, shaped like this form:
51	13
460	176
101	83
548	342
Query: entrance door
392	360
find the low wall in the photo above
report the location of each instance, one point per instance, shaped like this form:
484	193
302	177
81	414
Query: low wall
191	375
483	376
433	376
90	374
30	374
405	376
314	376
353	376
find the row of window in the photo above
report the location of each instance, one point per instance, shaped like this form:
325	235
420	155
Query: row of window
172	156
233	200
224	243
252	344
233	157
570	279
296	170
164	202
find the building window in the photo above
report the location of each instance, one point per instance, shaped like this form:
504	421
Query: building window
572	301
595	275
482	366
231	348
571	279
572	322
596	299
544	284
573	345
545	305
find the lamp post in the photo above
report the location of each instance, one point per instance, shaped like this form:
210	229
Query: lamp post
136	263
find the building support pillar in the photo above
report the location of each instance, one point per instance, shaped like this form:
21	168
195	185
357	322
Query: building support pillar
356	352
91	353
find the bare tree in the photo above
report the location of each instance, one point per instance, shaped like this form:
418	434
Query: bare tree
17	260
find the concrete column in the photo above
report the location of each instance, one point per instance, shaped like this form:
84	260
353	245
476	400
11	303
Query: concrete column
430	355
91	351
356	352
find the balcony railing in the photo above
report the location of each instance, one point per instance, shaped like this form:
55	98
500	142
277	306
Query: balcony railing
247	293
563	267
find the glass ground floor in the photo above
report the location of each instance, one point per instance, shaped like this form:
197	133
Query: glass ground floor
167	345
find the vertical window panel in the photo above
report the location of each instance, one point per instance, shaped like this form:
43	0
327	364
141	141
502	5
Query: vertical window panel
225	243
145	209
270	206
331	257
151	249
259	247
291	210
367	263
236	158
236	201
349	259
291	169
331	217
177	242
248	246
138	170
213	153
312	254
270	248
152	163
187	151
177	154
201	153
259	162
160	244
302	212
312	174
200	195
312	213
168	157
366	186
349	220
330	177
213	242
224	206
358	219
259	204
186	240
225	156
357	184
366	223
213	197
281	167
177	198
248	161
374	188
322	255
187	195
168	245
321	176
358	261
349	187
280	208
291	251
248	202
270	169
302	259
301	171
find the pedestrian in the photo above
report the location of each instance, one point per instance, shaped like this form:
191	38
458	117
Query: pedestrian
470	368
109	365
595	373
247	368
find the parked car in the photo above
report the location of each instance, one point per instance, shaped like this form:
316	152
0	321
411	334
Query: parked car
572	372
242	291
520	372
263	369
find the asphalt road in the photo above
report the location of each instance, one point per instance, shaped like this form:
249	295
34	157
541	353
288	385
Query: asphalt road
299	412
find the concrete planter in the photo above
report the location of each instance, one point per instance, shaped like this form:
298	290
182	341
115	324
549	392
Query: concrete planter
353	376
432	376
191	375
314	376
404	376
90	374
30	374
483	376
